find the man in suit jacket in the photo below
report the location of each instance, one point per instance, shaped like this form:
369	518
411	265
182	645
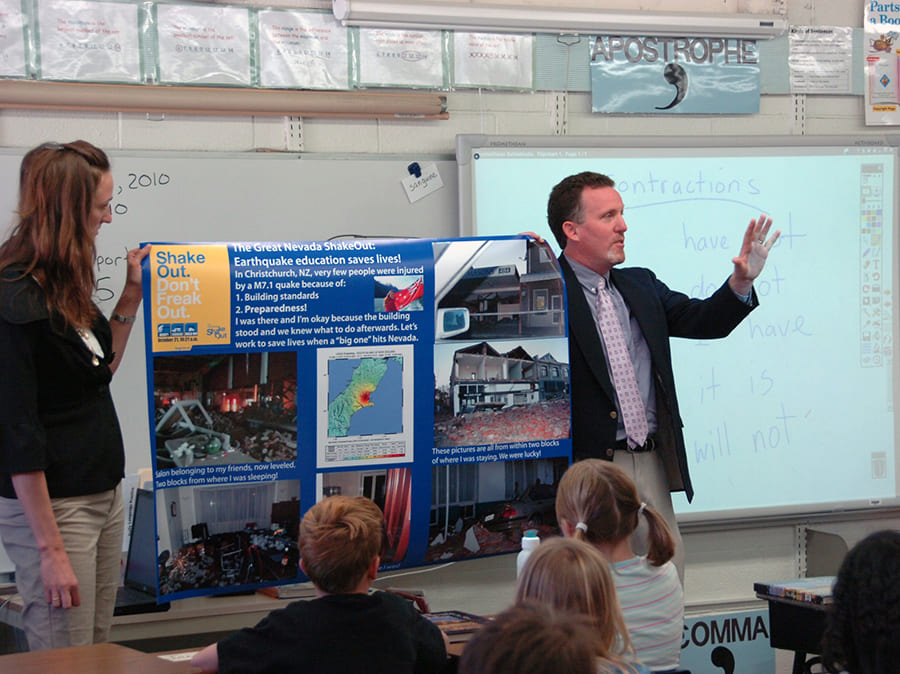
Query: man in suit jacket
585	213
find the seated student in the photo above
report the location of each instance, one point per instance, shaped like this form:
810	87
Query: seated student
573	576
862	632
344	629
532	638
598	502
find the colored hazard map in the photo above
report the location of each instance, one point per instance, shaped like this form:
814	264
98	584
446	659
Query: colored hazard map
370	402
366	405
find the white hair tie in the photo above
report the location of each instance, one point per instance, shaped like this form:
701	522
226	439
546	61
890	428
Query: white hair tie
582	526
642	508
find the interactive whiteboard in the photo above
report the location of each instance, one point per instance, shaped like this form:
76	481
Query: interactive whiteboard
794	412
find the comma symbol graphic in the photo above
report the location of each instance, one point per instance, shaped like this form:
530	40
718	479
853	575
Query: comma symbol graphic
676	76
724	658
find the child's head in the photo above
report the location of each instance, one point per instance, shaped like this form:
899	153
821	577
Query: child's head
862	632
572	576
598	502
532	638
340	537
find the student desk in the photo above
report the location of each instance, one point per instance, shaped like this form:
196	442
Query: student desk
797	613
95	659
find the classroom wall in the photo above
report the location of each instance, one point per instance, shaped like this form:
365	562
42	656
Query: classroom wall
476	111
722	563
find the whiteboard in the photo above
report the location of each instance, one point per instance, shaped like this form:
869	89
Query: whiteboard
210	196
795	411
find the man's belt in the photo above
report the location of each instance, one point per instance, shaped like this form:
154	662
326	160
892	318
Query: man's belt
648	446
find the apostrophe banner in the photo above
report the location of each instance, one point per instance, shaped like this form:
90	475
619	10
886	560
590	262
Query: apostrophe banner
189	296
665	75
430	376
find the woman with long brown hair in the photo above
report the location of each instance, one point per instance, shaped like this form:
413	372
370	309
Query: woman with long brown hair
61	452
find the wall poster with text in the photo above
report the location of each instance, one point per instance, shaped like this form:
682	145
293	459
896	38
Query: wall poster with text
428	375
669	75
881	50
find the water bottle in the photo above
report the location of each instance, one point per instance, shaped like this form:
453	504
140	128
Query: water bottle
530	541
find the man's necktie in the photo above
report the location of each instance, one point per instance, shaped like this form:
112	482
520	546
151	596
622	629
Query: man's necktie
634	415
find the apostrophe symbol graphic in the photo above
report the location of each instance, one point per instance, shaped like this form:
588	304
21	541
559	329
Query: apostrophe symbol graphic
675	75
723	658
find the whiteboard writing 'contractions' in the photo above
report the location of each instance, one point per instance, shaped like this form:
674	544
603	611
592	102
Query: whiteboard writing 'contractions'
794	411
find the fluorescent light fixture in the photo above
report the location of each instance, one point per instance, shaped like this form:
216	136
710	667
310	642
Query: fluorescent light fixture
524	19
28	94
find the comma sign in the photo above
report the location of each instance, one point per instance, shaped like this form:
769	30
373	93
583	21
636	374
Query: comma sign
730	643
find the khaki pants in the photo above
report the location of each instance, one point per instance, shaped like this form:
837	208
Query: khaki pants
92	528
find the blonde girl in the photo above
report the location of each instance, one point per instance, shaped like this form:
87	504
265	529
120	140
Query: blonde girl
572	576
597	502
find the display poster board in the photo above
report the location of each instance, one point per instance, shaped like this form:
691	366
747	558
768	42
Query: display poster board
428	375
881	91
179	196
